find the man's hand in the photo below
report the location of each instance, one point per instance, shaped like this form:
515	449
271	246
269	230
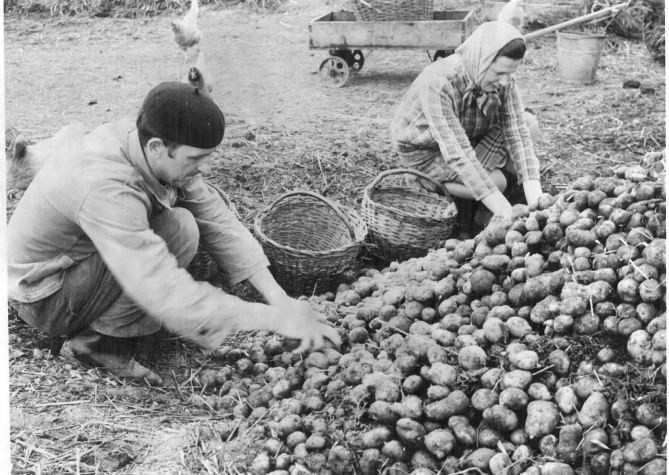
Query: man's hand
296	319
293	318
532	189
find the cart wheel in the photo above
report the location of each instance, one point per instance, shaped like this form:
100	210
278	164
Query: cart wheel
442	53
334	71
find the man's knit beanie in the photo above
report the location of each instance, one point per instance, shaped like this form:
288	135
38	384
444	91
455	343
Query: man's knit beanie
177	112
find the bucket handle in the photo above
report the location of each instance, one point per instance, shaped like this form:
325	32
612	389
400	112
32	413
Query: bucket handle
401	171
318	197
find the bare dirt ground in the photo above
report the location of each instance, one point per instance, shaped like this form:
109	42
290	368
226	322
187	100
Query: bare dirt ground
286	130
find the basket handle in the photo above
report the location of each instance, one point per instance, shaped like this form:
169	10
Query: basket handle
400	171
332	206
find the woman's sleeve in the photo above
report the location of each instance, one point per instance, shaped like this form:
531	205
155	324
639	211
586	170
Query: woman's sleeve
517	136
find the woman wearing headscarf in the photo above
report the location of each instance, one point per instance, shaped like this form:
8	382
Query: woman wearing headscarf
463	123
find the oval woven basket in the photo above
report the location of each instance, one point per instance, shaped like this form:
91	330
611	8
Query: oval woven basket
393	10
403	221
310	241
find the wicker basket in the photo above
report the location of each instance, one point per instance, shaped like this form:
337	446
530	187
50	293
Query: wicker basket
403	221
393	10
310	241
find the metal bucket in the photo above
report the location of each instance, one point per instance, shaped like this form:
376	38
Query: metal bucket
578	56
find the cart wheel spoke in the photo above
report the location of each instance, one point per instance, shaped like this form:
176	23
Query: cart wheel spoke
334	71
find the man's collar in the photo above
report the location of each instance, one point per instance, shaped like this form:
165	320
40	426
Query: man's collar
164	194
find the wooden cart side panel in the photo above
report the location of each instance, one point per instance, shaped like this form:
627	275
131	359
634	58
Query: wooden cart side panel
387	34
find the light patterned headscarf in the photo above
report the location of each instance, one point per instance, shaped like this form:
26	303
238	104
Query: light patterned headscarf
478	53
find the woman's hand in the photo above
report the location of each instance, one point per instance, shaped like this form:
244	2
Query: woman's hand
532	189
497	203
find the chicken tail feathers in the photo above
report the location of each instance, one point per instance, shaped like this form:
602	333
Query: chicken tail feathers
512	13
194	8
195	77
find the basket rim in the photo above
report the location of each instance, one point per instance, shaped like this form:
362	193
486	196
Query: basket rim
392	10
451	210
355	242
329	203
304	252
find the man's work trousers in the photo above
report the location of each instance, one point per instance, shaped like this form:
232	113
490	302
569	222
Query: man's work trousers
92	299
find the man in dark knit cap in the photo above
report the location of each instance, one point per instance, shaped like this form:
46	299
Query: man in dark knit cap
98	245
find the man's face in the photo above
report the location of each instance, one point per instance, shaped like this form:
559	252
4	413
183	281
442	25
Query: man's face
184	162
499	74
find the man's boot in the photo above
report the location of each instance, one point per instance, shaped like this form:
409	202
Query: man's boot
111	353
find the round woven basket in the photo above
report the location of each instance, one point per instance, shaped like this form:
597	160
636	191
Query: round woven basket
393	10
404	221
310	241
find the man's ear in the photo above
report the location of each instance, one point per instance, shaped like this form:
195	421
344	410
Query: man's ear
155	147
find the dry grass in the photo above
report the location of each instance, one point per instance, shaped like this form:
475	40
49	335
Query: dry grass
122	8
596	132
68	420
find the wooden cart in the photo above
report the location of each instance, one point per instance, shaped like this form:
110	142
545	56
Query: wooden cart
345	38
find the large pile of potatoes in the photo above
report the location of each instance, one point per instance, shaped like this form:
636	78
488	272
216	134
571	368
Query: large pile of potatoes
537	347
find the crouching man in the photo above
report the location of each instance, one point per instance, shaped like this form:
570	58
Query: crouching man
99	243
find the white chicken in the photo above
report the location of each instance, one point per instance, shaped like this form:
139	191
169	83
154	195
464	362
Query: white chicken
186	32
199	77
512	14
